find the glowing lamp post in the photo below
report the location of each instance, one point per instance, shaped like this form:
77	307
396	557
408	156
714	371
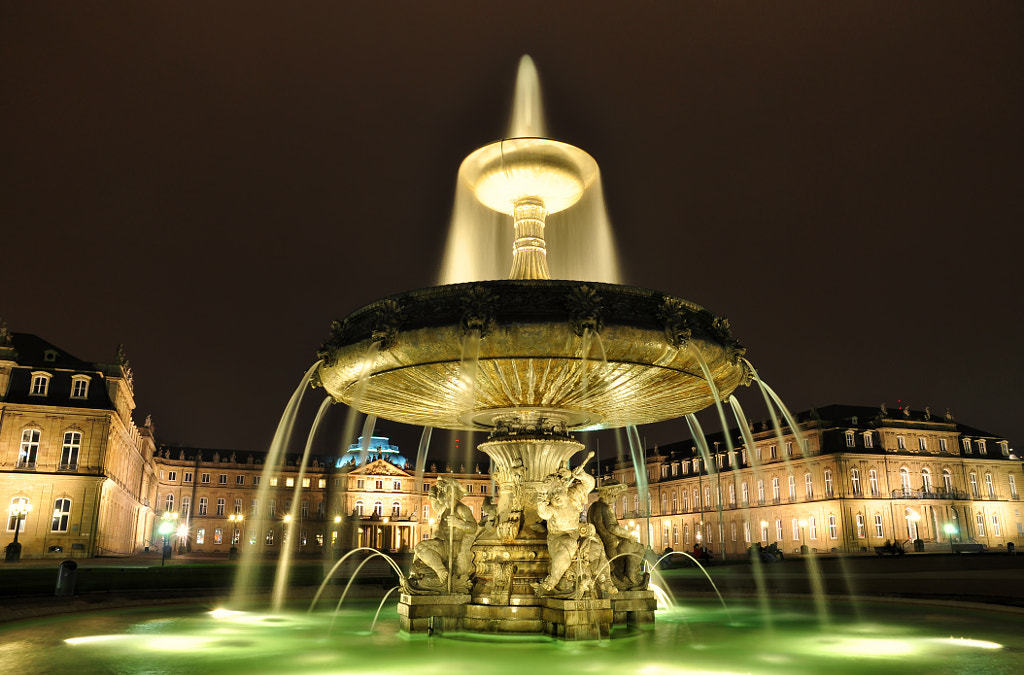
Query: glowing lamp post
950	530
237	533
167	525
19	512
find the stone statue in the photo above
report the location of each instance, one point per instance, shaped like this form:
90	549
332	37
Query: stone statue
443	564
625	553
560	501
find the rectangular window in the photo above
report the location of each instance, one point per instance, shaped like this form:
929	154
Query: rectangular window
869	440
967	445
812	527
873	482
833	531
778	530
792	488
996	530
360	484
860	526
922	444
850	439
218	536
238	506
222	479
321	483
305	509
69	451
982	449
80	388
789	448
289	481
305	482
239	479
878	526
201	535
205	479
981	524
255	480
61	515
773	452
746	531
40	383
901	442
273	481
271	507
796	529
270	537
187	478
203	505
378	484
809	486
172	476
943	446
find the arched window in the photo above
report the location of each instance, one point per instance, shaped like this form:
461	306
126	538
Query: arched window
359	507
989	487
828	482
686	533
61	514
378	508
947	480
745	491
905	479
855	481
809	485
926	480
664	504
674	505
169	503
973	477
686	500
29	449
396	508
186	504
912	517
873	482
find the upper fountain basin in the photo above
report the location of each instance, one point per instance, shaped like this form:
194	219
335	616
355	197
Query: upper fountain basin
514	169
409	358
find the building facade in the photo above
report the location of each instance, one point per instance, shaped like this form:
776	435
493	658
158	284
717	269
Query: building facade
366	498
71	454
847	479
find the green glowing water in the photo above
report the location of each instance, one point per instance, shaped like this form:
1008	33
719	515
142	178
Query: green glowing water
696	638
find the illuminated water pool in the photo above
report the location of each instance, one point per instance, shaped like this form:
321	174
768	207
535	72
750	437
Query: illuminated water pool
696	638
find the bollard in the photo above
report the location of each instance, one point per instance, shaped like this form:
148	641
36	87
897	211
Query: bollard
66	573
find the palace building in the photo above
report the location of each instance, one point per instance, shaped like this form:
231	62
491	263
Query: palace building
76	473
847	479
78	478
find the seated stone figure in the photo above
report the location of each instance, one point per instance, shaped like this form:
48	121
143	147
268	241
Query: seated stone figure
560	502
624	552
449	552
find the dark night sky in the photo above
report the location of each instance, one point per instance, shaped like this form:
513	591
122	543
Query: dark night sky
212	183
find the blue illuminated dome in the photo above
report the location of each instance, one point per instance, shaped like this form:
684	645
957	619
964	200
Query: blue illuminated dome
377	448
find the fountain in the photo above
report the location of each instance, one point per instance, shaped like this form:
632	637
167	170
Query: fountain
529	360
530	382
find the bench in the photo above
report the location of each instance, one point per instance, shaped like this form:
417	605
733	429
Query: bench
968	547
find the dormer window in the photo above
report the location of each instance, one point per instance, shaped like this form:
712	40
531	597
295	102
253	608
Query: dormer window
868	440
1004	448
967	445
79	386
40	384
50	355
981	447
901	442
850	439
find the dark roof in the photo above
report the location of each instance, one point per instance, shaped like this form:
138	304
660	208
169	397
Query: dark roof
30	351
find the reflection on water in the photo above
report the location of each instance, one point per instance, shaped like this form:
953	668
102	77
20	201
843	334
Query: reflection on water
694	637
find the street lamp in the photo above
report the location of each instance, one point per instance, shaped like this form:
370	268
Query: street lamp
949	529
803	541
20	512
167	521
236	523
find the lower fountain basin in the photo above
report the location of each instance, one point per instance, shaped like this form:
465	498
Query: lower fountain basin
607	355
696	637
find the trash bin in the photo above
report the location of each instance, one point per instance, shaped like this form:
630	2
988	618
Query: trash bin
919	546
66	572
1011	549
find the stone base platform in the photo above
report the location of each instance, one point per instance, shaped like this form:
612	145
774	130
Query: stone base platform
429	613
633	608
577	619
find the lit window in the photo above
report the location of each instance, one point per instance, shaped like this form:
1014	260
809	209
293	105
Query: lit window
675	534
201	535
321	483
61	515
305	482
764	531
218	536
40	384
289	481
69	451
29	449
79	386
686	534
912	518
270	537
860	526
